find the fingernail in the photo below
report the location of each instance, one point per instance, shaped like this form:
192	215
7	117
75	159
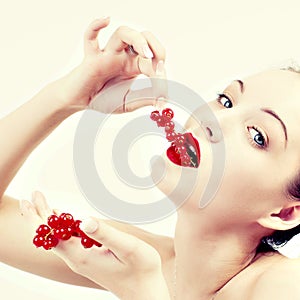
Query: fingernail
147	51
104	17
160	67
89	225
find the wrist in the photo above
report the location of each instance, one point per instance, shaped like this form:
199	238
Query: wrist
76	89
63	93
50	99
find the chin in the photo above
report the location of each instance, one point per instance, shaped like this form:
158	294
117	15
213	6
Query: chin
164	173
176	182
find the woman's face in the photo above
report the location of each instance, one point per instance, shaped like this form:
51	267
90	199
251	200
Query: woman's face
259	119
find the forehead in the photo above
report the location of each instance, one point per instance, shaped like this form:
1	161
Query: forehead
275	87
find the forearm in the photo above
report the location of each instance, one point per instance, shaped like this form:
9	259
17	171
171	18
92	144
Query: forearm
18	250
22	130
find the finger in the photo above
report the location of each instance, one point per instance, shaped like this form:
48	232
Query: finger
156	47
29	212
91	44
156	95
124	246
125	36
159	81
27	209
41	206
139	98
148	67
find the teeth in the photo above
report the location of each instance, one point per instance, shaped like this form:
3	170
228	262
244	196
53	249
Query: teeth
193	154
193	149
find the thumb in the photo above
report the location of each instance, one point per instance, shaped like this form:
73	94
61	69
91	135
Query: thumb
155	95
125	247
140	98
159	81
119	97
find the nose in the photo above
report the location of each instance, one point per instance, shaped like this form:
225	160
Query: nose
212	130
208	121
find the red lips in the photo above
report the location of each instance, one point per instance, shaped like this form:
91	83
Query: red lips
192	148
184	150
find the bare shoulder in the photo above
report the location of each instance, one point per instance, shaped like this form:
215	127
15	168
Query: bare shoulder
280	281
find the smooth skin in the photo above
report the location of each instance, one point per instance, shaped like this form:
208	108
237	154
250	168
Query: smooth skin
21	133
220	261
221	238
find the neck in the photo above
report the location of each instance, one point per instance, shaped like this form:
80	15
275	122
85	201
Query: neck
207	258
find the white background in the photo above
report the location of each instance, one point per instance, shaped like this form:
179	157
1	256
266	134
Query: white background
206	41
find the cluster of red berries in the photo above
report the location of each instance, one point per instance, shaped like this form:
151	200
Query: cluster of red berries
177	139
61	227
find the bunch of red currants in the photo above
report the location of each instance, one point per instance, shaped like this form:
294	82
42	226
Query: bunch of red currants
58	228
164	119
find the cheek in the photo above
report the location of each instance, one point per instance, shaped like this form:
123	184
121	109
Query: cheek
250	185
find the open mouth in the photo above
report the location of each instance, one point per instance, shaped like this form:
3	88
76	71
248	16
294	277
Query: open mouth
185	152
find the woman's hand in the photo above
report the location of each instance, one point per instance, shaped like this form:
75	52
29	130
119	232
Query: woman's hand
114	63
125	265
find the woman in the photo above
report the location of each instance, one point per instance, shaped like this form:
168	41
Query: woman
214	255
217	250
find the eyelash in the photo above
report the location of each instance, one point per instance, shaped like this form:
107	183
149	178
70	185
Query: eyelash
249	128
251	139
220	96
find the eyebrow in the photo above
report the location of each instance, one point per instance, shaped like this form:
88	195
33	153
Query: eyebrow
272	113
241	83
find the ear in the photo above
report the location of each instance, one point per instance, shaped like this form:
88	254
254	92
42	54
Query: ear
286	218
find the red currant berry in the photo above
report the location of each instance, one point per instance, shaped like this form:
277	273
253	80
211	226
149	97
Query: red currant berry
168	112
169	126
161	122
185	160
179	139
63	233
43	230
171	136
53	221
66	220
155	115
76	231
50	243
185	163
38	240
87	242
181	150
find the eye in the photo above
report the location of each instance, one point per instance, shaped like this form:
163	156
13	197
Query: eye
224	100
257	137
